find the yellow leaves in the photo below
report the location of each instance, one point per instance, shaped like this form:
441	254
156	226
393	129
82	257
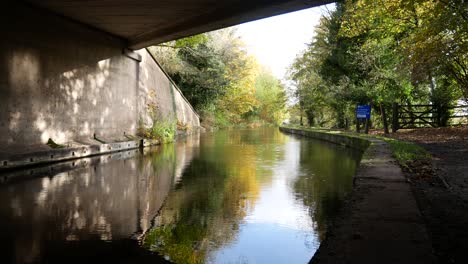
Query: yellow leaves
378	17
236	102
243	185
240	98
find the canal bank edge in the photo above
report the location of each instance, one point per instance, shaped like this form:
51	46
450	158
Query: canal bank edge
336	137
380	221
34	156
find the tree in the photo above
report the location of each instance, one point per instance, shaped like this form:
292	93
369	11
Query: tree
241	71
271	95
432	36
218	77
381	52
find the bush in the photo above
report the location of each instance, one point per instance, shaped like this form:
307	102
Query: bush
164	131
221	120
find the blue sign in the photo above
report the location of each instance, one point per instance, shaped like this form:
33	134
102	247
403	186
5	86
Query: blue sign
363	111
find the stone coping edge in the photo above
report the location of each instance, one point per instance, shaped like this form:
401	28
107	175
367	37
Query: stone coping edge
380	221
338	137
42	157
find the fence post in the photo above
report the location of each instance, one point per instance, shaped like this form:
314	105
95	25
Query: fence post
366	126
395	124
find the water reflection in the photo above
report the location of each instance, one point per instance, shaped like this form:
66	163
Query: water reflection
249	196
111	198
253	196
325	177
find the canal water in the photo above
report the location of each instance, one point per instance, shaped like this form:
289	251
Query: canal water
241	196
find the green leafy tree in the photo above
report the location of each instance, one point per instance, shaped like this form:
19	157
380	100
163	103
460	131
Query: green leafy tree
218	77
271	95
381	52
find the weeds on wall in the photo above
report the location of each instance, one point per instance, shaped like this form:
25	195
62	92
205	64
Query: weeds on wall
183	126
51	143
164	131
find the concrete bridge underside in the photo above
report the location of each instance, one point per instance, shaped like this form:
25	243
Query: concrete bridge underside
147	22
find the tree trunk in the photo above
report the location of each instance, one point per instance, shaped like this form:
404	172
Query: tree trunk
395	125
310	118
367	126
301	110
384	118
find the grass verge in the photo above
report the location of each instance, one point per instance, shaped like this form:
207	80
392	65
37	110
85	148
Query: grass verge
407	153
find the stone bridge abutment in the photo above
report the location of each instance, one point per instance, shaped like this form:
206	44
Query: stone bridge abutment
77	72
68	82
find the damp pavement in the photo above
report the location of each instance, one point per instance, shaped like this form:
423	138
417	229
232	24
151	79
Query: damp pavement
380	222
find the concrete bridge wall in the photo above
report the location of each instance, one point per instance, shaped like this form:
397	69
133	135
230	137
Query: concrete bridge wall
62	80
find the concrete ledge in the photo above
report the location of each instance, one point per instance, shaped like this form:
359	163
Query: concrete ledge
149	142
380	221
42	154
11	161
337	137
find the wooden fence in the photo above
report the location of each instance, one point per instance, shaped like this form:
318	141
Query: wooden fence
416	116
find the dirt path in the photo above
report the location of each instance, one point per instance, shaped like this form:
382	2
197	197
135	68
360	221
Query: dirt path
442	193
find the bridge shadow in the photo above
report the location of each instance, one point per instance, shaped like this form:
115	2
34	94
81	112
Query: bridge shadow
61	80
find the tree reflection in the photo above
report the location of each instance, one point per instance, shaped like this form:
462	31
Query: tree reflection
327	172
200	188
216	192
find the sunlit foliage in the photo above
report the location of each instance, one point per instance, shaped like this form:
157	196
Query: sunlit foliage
381	52
219	78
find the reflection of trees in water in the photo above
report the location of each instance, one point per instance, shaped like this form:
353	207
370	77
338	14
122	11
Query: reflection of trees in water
202	213
326	177
216	192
